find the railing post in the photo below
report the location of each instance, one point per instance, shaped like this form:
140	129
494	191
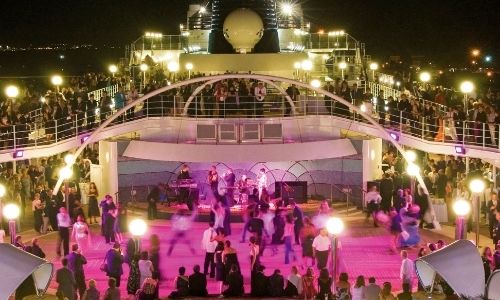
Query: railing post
14	134
484	134
423	128
76	125
400	122
55	129
175	105
36	134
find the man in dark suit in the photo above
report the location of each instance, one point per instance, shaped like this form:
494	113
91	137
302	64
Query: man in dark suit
259	283
298	216
197	283
114	261
66	281
75	263
276	284
386	192
153	198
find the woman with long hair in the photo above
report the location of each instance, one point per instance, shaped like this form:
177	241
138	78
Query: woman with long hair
287	239
93	212
324	284
358	290
307	235
81	233
488	262
386	292
308	288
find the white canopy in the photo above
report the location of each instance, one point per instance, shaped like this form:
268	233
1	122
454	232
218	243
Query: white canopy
16	265
493	287
459	264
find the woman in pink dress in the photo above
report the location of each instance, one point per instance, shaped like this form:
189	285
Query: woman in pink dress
81	233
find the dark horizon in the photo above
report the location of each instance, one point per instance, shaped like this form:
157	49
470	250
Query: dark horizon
443	31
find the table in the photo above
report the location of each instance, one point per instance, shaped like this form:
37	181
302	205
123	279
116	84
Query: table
441	212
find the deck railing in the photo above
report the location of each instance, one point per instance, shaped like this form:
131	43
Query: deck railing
429	128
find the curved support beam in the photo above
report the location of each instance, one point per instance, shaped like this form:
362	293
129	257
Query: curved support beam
195	93
201	87
383	133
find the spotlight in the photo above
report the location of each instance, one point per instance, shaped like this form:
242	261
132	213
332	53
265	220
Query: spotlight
84	138
459	150
18	154
287	9
394	136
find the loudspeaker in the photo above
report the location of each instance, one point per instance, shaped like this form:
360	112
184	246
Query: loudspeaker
296	190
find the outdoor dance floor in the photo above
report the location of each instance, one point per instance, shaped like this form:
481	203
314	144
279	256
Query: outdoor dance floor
365	251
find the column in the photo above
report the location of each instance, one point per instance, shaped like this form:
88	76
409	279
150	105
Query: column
108	161
372	161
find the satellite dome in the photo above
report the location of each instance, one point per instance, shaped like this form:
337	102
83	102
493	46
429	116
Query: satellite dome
243	28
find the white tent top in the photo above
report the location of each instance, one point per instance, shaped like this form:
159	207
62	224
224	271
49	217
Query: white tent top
17	265
459	264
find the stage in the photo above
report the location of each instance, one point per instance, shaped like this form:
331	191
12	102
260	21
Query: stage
237	211
365	251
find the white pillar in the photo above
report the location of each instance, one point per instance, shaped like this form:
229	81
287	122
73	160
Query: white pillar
108	160
372	161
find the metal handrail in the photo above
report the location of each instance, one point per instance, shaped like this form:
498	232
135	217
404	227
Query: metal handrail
426	128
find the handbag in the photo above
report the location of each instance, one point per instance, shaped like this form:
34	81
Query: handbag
104	266
405	235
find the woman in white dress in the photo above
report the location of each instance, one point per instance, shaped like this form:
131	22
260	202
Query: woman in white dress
145	267
491	116
81	233
219	214
358	290
450	123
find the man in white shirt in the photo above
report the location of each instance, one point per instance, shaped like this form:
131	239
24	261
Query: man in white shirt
321	247
260	93
372	290
406	271
209	245
64	223
373	200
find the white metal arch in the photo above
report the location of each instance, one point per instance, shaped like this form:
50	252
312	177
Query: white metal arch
201	87
383	133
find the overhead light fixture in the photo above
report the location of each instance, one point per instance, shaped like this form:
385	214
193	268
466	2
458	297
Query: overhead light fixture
18	154
459	150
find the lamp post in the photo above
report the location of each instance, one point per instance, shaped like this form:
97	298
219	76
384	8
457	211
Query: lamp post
173	67
189	67
425	77
477	188
373	67
137	229
11	212
466	87
12	91
65	173
113	69
297	66
342	67
334	226
57	81
461	207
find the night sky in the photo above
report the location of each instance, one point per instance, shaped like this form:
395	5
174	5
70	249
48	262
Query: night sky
443	30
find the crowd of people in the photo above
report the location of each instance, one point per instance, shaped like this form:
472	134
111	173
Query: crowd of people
74	110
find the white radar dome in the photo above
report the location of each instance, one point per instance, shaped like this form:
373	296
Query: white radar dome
243	28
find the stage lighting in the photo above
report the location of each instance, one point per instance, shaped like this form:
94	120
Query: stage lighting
460	150
18	154
394	136
84	138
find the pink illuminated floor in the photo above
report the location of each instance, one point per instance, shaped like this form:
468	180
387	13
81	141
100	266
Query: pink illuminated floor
365	252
